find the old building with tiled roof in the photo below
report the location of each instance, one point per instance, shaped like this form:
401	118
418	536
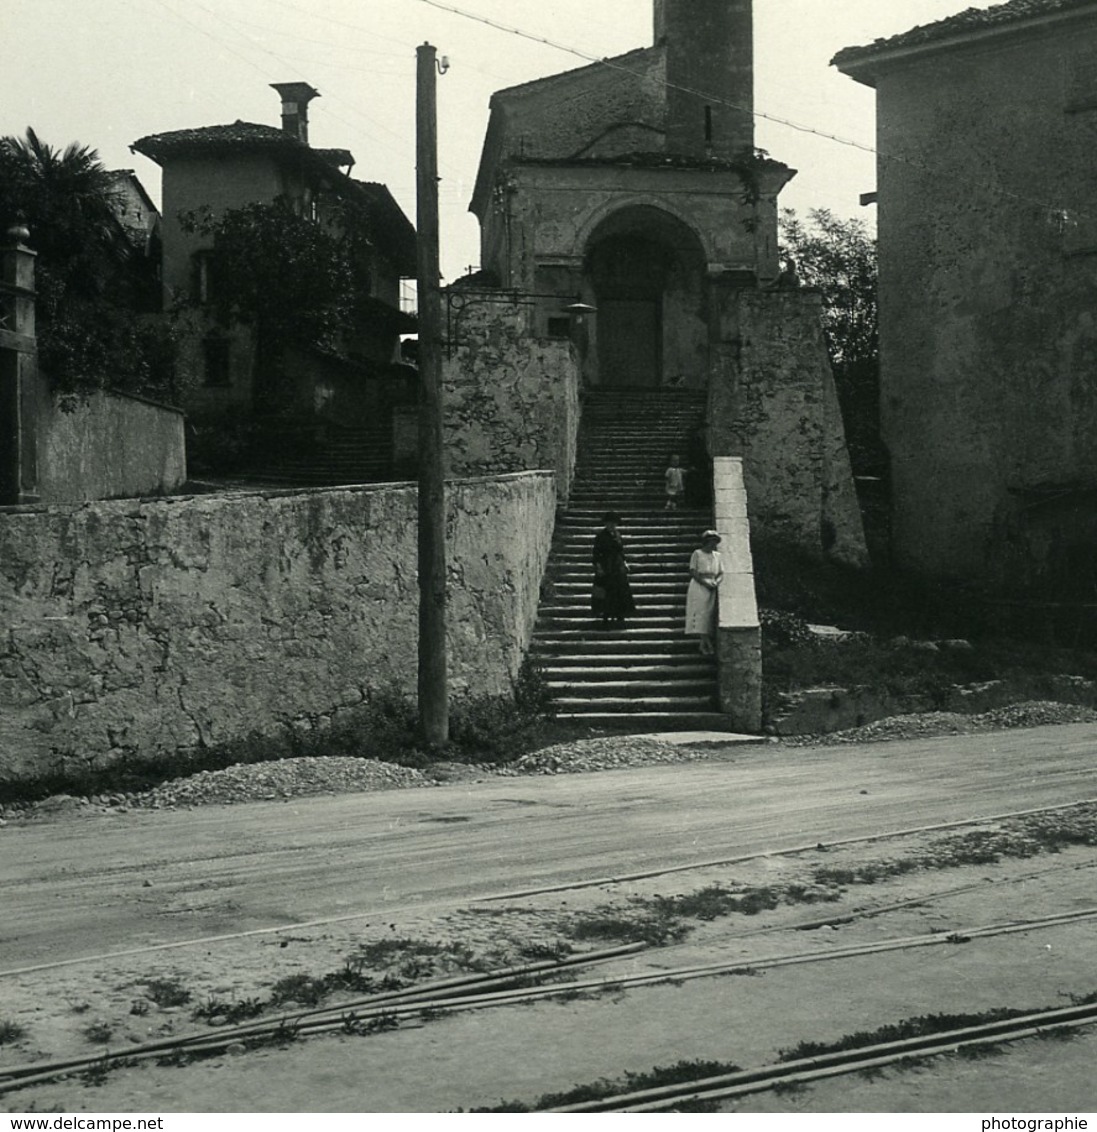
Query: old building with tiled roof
986	128
222	167
632	186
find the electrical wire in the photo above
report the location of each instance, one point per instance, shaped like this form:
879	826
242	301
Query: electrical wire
1057	211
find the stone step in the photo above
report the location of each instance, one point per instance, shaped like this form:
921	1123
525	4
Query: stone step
580	704
619	636
701	691
605	646
640	722
604	671
578	567
644	671
678	521
668	609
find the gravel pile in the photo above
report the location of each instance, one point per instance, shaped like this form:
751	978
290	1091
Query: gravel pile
293	778
286	778
930	724
601	754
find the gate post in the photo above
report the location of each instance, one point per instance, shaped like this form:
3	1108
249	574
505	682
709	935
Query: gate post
18	371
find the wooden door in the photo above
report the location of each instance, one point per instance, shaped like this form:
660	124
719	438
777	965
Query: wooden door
629	342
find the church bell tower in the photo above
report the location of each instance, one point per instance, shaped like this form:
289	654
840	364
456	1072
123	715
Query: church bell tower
710	75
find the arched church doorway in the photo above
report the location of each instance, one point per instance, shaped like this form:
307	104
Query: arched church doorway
646	271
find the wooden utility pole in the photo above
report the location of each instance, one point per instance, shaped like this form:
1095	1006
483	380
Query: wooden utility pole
433	687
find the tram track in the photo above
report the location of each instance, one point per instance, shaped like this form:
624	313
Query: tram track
502	988
806	1070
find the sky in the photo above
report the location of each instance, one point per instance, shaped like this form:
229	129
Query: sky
106	72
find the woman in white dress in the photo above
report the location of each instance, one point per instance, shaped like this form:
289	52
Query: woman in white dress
705	573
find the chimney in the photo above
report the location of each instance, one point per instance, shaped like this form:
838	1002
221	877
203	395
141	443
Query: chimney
710	75
295	108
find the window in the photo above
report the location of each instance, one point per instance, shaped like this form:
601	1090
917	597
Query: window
202	281
216	358
559	327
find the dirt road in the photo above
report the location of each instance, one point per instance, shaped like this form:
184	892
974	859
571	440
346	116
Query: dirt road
88	885
429	865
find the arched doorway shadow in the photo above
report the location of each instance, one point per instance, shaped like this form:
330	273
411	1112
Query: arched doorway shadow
646	271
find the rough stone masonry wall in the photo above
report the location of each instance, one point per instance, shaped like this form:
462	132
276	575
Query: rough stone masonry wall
772	401
511	400
161	625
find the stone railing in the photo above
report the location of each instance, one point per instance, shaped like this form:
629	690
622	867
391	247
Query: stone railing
739	638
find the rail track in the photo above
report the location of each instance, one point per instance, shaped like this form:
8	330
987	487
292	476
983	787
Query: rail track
802	1071
528	983
511	986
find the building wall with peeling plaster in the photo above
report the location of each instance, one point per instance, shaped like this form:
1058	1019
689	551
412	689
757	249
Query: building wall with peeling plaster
511	399
157	626
988	272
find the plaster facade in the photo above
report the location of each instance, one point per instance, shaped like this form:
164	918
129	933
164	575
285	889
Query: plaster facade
109	446
164	625
988	270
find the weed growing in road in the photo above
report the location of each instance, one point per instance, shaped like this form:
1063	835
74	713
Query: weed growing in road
651	925
1016	838
375	1024
918	1027
98	1032
97	1073
11	1032
681	1073
303	989
790	1088
215	1010
659	920
980	1051
551	952
167	992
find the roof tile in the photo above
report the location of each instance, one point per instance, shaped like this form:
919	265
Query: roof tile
969	20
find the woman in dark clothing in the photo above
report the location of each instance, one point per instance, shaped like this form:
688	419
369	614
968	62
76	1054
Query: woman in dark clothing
699	473
611	594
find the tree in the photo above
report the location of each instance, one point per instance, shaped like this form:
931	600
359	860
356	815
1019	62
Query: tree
88	276
296	281
67	200
838	258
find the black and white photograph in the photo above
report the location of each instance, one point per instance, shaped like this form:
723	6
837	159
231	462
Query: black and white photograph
548	562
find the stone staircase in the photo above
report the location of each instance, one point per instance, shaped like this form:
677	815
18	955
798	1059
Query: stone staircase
646	675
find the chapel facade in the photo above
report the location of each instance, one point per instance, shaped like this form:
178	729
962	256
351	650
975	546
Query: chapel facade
631	190
633	186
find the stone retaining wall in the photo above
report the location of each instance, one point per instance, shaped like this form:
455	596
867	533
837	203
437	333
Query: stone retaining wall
512	399
161	625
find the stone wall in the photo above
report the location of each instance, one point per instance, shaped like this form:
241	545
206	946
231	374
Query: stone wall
511	399
159	625
772	401
109	446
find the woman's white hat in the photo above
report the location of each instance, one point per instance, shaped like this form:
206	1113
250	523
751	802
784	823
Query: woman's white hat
710	533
